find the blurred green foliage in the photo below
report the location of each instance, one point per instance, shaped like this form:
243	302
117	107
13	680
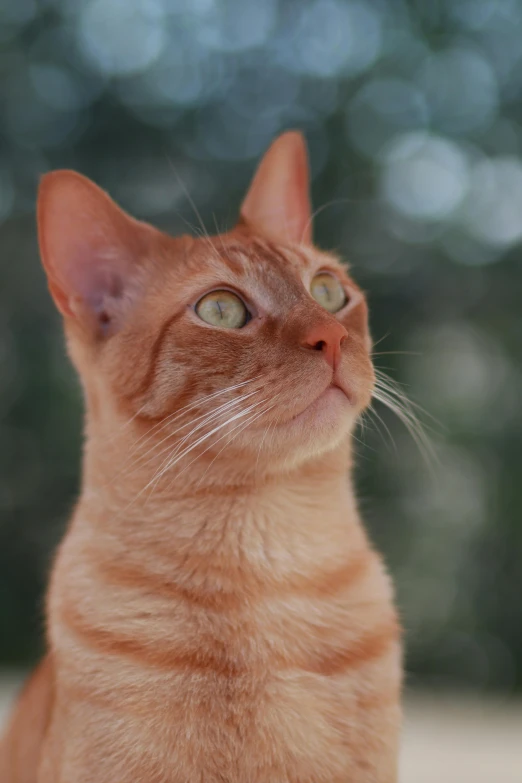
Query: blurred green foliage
412	111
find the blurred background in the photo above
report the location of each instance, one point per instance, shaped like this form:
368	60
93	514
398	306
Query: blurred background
413	114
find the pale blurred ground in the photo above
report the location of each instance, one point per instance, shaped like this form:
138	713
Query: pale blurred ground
462	740
446	739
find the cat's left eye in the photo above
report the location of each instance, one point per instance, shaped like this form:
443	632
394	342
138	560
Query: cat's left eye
328	291
223	308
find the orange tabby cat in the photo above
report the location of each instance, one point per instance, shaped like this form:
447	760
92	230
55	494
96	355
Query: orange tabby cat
215	612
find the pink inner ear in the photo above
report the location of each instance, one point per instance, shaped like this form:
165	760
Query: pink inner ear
89	247
278	201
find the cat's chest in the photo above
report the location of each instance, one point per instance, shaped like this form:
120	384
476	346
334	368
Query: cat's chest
311	620
278	678
285	726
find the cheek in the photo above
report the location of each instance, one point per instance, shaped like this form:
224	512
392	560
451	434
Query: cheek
130	367
199	362
219	354
171	388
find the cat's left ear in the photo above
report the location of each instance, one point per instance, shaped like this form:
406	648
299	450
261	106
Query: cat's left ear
278	201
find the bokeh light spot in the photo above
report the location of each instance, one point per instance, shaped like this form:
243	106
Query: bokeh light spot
381	109
424	176
331	37
493	211
120	37
461	89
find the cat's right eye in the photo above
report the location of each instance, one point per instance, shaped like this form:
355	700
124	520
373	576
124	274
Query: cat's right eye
224	309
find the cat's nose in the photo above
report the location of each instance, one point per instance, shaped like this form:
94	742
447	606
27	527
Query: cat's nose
328	338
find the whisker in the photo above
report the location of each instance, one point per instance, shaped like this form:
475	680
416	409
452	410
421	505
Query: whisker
396	353
392	395
241	426
278	422
209	418
188	196
219	234
126	424
188	450
178	456
388	384
177	413
381	339
361	443
171	461
204	235
411	423
203	420
267	430
173	417
331	203
378	421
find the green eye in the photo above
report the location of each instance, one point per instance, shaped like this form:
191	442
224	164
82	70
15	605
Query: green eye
223	308
327	290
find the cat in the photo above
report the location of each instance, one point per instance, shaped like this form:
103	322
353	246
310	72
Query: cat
215	610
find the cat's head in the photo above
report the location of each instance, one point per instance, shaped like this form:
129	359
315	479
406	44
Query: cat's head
252	344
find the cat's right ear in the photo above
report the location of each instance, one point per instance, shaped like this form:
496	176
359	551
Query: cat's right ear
90	249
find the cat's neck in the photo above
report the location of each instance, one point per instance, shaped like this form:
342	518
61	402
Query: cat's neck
129	473
217	529
311	500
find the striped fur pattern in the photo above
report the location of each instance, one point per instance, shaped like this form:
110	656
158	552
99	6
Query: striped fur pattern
215	612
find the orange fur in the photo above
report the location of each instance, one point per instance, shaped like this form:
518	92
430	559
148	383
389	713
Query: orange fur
222	617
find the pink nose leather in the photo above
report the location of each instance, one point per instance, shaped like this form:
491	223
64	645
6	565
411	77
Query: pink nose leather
326	337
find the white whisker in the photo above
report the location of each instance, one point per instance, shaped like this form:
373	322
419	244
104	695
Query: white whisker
172	461
204	233
378	420
241	426
169	420
194	404
203	420
392	395
410	421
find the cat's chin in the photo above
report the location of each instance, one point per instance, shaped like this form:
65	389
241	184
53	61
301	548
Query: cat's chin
330	403
316	430
323	421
